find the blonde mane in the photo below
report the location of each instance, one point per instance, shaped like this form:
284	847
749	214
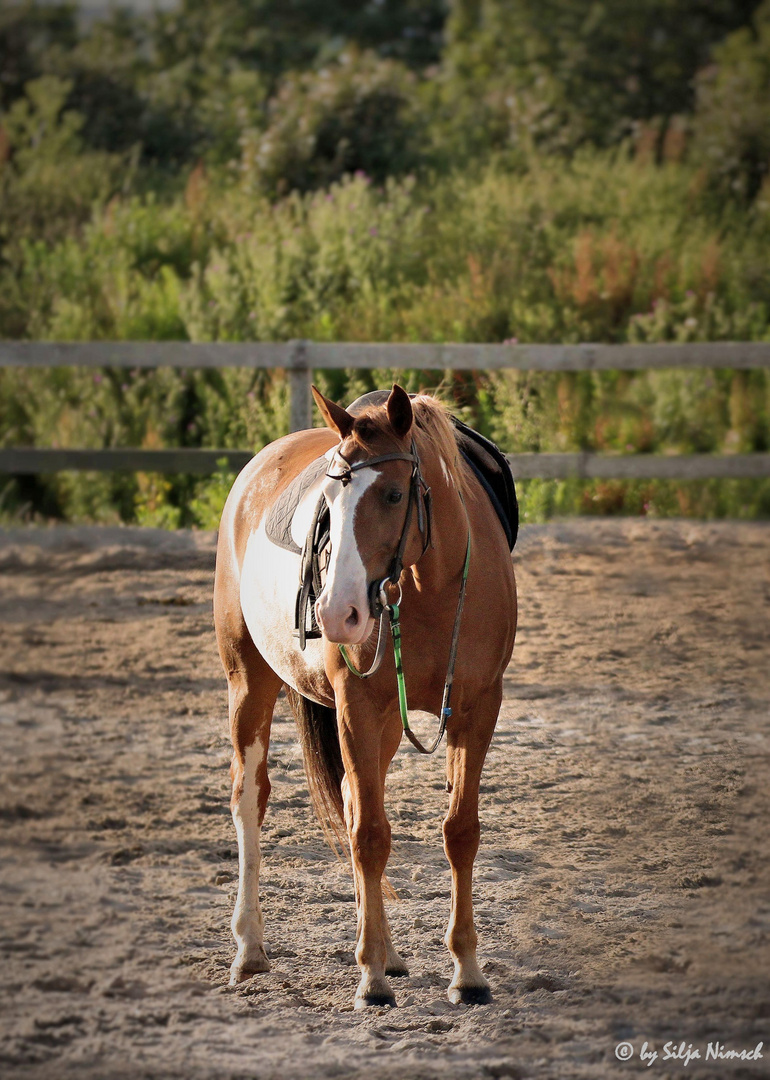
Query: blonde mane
432	431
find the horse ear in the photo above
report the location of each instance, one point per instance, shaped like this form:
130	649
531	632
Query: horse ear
399	411
336	417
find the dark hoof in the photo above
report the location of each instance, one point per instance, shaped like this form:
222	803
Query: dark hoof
374	1000
470	995
397	972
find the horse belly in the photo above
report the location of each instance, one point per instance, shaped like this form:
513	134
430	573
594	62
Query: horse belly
269	585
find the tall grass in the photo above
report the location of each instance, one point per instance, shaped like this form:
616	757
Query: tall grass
605	248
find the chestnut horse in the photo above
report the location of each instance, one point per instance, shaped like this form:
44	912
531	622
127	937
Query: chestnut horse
407	515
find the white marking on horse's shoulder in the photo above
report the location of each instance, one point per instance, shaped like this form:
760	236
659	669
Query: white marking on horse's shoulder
268	593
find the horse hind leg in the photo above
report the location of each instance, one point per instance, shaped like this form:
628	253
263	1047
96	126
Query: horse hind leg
252	692
395	965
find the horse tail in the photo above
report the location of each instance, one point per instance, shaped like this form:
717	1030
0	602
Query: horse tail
323	763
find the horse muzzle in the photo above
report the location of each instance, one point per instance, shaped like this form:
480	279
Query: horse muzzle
346	624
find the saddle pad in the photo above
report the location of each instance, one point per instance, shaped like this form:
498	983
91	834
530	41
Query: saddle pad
278	524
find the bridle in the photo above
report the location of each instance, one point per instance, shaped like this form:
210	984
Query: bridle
419	495
380	605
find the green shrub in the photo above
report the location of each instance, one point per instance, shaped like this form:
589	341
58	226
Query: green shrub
566	72
49	180
732	133
358	114
607	248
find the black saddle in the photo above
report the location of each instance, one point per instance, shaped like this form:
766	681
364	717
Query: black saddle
493	472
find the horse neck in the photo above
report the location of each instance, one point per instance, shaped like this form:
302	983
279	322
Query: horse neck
442	563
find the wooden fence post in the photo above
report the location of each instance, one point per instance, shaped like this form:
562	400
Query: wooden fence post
300	378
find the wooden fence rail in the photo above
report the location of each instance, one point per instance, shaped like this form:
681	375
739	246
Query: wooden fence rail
300	358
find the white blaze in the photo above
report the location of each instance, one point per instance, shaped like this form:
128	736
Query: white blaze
346	581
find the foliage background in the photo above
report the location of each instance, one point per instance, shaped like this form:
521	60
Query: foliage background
244	170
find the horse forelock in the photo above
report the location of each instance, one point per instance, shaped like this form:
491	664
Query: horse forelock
370	436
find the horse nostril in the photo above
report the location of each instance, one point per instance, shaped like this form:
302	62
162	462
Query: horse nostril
352	619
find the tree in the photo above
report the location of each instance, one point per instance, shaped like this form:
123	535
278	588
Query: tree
358	114
569	71
27	31
732	120
277	36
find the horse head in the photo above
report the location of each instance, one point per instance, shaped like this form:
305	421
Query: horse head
373	485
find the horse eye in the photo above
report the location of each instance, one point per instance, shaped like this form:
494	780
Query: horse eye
394	496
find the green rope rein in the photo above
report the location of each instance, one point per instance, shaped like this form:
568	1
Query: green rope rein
393	612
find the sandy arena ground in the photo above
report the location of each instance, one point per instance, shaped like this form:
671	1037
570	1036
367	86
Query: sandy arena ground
622	887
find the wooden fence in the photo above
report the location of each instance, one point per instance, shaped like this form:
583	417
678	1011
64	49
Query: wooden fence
300	358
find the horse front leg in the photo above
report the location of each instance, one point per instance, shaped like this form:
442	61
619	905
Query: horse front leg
395	965
466	751
369	836
251	710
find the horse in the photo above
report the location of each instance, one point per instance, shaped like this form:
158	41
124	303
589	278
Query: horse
410	530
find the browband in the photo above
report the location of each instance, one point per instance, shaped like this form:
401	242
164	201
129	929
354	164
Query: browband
347	472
